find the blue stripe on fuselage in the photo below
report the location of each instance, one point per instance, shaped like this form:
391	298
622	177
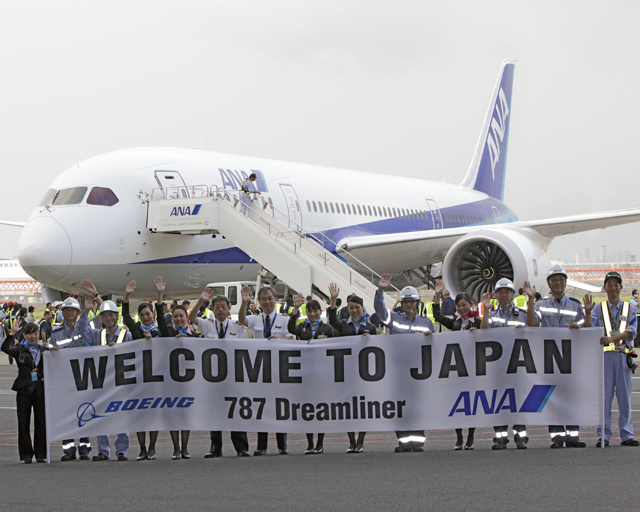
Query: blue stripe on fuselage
480	209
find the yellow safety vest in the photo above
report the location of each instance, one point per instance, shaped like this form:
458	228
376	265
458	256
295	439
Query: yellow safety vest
520	301
608	327
495	304
430	313
104	339
302	310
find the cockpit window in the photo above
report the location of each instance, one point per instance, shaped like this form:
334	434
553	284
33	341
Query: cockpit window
48	196
102	197
70	196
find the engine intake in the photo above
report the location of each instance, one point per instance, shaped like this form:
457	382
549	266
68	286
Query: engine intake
477	261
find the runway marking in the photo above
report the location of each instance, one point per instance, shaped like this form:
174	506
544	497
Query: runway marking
8	407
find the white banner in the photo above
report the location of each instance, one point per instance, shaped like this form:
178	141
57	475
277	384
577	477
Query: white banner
378	383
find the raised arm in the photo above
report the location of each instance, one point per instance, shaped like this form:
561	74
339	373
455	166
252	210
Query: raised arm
378	302
246	298
205	296
93	292
486	302
532	321
439	290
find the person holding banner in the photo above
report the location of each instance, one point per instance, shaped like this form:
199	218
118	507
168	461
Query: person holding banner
465	320
619	320
146	328
269	324
312	328
403	323
220	328
179	329
557	310
356	324
75	332
29	386
109	335
505	315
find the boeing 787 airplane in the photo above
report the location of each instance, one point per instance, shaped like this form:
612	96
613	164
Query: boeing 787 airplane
92	222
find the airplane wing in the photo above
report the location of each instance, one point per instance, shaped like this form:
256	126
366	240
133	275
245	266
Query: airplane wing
16	224
549	228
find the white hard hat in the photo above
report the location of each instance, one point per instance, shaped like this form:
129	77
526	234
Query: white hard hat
557	270
505	283
409	293
56	303
70	302
108	305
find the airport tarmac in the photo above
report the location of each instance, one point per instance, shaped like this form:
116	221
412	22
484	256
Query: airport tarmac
378	479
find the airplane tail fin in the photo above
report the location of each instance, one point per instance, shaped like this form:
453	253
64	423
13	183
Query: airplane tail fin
487	171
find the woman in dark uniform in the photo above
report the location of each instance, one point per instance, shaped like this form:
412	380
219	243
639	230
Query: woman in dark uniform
29	385
179	329
466	320
311	329
356	323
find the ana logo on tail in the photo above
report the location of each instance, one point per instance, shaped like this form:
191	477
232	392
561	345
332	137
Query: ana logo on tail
498	125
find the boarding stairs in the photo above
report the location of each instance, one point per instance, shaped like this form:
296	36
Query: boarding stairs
267	235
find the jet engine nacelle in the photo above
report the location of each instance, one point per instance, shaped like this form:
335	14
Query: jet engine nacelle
478	260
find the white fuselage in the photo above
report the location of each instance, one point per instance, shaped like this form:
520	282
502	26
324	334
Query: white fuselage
64	243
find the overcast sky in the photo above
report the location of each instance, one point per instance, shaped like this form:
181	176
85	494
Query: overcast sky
388	87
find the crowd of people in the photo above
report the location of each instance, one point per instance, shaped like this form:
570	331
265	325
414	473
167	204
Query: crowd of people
103	322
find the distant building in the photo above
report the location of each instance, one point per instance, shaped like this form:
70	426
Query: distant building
16	284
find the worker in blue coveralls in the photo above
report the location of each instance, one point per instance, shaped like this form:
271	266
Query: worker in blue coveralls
109	335
406	322
619	320
557	310
505	315
74	332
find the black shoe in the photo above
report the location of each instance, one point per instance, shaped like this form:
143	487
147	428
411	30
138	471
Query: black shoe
404	447
498	446
41	460
521	445
458	445
417	447
100	457
242	454
309	450
630	442
214	455
359	448
142	455
257	453
351	448
557	442
67	457
317	450
599	443
27	461
283	451
574	442
122	457
84	456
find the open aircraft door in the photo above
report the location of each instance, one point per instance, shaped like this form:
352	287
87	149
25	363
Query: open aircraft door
172	184
293	207
435	213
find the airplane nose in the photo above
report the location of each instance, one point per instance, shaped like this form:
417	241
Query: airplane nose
44	250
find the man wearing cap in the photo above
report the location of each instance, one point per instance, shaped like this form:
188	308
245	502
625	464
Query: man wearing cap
505	315
220	328
406	322
269	324
110	334
619	320
557	310
74	332
248	187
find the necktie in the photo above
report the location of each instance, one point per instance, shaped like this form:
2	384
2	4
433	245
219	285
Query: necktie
267	326
221	334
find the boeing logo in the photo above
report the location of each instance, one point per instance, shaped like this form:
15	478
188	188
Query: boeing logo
497	130
85	413
180	211
535	401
